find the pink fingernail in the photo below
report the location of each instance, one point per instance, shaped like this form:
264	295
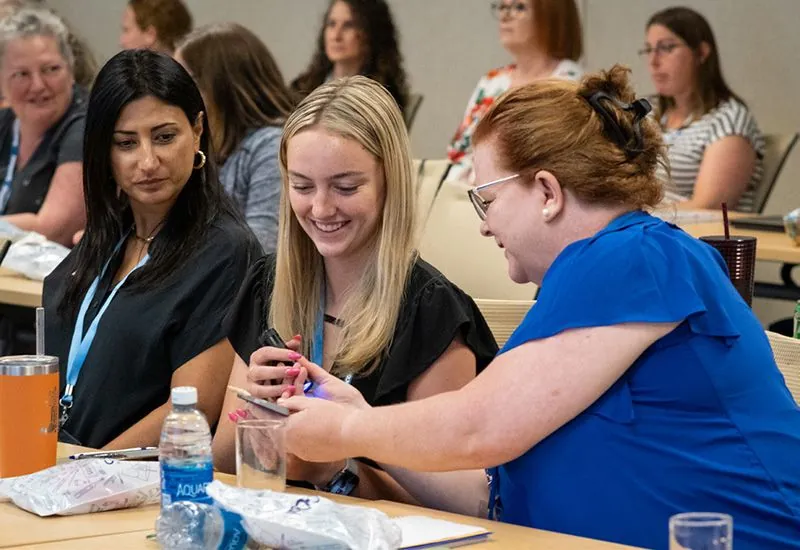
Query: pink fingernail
233	417
294	371
242	413
294	356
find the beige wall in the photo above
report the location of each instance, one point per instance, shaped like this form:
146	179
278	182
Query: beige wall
448	44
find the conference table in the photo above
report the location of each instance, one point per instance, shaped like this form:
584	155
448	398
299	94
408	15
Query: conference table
129	529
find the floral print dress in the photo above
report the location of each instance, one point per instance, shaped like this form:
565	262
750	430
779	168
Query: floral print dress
491	86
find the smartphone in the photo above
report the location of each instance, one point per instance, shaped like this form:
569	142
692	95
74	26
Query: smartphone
270	337
266	405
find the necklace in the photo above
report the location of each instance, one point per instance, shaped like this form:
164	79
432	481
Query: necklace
150	237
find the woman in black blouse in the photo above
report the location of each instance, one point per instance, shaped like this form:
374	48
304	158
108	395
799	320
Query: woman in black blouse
346	277
137	307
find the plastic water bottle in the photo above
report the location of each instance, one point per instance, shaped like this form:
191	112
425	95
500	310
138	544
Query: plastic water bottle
185	451
186	525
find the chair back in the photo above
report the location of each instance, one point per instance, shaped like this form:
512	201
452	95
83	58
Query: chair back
503	316
412	108
776	151
787	355
429	176
451	242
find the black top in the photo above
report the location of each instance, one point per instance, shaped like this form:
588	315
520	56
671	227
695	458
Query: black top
432	313
62	143
145	336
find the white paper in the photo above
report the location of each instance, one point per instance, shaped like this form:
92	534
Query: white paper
85	486
421	531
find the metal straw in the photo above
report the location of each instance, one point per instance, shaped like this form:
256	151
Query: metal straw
39	331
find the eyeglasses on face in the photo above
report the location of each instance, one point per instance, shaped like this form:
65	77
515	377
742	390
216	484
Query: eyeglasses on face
512	9
481	204
659	49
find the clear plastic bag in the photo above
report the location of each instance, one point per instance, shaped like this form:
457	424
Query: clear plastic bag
85	486
34	256
282	520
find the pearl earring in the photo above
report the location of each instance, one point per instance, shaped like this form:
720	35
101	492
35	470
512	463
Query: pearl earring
546	212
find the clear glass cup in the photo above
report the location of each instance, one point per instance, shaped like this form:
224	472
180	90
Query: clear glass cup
701	531
260	454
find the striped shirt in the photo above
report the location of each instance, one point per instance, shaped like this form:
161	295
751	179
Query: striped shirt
687	145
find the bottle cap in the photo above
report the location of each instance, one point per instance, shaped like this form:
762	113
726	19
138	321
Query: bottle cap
184	395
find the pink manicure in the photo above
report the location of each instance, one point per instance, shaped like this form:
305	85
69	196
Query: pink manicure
294	371
242	413
233	417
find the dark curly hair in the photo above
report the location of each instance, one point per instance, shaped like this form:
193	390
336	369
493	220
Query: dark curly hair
384	62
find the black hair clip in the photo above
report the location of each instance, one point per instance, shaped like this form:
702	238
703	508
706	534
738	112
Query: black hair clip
640	108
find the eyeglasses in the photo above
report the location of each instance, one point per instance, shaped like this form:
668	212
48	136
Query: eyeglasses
481	204
659	49
514	9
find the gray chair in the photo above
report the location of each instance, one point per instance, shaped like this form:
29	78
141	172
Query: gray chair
777	150
412	108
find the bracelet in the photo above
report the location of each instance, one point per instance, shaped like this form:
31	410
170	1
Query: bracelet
345	481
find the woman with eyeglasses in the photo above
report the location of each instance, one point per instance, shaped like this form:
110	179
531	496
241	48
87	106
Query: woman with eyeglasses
544	39
639	385
715	148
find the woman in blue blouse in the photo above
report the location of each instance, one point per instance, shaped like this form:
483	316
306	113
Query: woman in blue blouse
639	386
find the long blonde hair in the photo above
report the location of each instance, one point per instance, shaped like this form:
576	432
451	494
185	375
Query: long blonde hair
359	109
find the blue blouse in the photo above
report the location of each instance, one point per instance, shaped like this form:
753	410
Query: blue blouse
702	421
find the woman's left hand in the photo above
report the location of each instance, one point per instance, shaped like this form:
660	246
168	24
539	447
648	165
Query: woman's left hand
314	429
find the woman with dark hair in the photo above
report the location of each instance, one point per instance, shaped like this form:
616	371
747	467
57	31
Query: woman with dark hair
357	37
715	146
137	307
246	120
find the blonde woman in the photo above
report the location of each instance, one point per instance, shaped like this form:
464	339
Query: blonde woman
347	280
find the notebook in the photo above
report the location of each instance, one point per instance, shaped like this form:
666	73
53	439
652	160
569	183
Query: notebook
423	532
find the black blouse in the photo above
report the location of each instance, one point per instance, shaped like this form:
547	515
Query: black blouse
433	312
145	336
61	144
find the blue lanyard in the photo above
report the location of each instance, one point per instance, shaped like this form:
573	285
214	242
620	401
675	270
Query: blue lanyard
318	344
82	343
5	191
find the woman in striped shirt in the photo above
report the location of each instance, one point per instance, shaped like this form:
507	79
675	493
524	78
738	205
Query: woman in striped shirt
715	147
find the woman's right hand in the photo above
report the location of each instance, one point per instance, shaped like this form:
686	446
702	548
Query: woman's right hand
271	381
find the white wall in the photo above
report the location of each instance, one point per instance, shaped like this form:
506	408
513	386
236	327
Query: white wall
448	44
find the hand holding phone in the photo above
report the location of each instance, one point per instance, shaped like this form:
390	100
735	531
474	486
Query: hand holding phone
268	406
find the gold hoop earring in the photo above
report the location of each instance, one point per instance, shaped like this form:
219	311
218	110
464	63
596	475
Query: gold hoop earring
202	162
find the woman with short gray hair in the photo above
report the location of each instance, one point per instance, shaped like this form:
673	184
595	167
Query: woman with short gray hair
41	131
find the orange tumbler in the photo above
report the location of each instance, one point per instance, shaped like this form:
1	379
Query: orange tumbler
28	414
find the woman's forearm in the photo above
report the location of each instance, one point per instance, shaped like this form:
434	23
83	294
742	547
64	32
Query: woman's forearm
145	433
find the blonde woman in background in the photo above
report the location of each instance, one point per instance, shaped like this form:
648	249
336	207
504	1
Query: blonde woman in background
347	280
544	38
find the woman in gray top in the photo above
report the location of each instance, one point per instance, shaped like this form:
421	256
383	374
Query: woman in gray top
247	102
